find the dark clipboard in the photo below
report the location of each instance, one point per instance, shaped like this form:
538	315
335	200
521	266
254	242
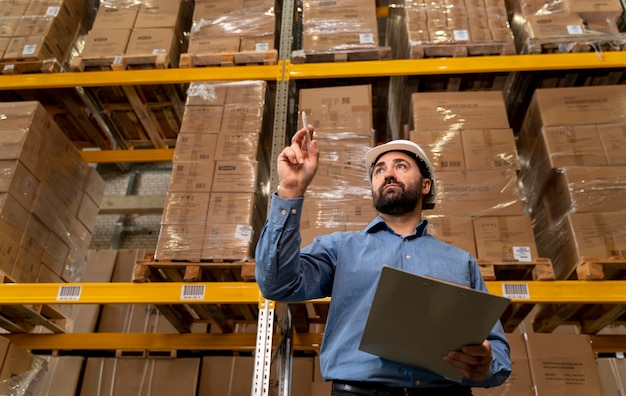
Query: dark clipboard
416	320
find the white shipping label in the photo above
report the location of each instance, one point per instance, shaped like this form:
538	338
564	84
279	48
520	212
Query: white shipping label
574	29
261	47
461	35
53	11
244	233
522	253
366	38
29	49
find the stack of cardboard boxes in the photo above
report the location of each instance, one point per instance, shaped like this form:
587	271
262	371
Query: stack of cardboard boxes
37	30
329	26
217	197
565	26
124	29
231	26
339	197
49	198
572	148
472	149
20	370
452	28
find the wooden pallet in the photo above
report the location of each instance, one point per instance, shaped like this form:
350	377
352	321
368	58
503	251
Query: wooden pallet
120	62
587	43
24	318
539	270
590	318
419	51
269	57
353	55
32	66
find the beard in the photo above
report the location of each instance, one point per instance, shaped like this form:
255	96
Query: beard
398	202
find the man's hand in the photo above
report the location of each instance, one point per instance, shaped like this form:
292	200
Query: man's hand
473	361
297	165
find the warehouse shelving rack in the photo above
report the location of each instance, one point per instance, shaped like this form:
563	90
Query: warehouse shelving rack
284	72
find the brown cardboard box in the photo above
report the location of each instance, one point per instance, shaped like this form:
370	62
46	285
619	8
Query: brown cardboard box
189	176
26	267
17	364
8	253
202	119
244	116
18	182
237	208
209	10
198	44
94	185
13	217
55	253
519	382
33	48
489	149
195	147
228	241
106	42
505	238
613	137
35	236
258	43
87	212
153	41
62	376
583	189
233	375
347	210
163	13
554	25
562	364
611	372
338	112
180	242
246	93
110	16
233	145
235	176
578	235
443	148
572	106
206	93
478	193
132	376
185	207
455	230
596	10
436	111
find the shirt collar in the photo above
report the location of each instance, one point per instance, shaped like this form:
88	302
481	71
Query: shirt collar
378	224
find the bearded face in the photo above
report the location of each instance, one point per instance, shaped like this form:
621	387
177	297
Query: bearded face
393	197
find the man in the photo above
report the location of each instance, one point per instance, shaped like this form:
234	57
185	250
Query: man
346	266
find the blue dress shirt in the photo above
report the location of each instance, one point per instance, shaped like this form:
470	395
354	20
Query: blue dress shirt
346	266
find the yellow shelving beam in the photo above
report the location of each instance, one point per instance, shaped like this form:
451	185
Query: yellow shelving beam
574	292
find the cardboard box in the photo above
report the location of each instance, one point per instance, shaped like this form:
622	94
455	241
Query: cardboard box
13	217
478	193
613	137
246	93
55	253
554	25
189	176
180	242
338	112
572	106
202	119
185	207
209	10
562	364
233	145
111	17
94	185
164	13
519	382
34	48
206	93
106	42
18	182
199	44
332	212
133	376
596	10
229	241
17	364
245	116
455	230
35	237
258	43
192	147
443	148
153	41
235	176
237	208
505	239
489	149
436	111
8	254
26	267
578	235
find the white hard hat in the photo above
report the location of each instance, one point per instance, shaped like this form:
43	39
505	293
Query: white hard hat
413	149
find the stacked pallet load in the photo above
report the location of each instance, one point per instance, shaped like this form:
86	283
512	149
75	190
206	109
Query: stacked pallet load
136	33
573	154
50	199
478	205
38	35
566	25
339	198
232	32
338	31
453	28
217	197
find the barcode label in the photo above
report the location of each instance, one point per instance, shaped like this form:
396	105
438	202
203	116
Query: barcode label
69	293
515	290
192	292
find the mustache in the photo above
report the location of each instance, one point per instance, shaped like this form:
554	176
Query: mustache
390	180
